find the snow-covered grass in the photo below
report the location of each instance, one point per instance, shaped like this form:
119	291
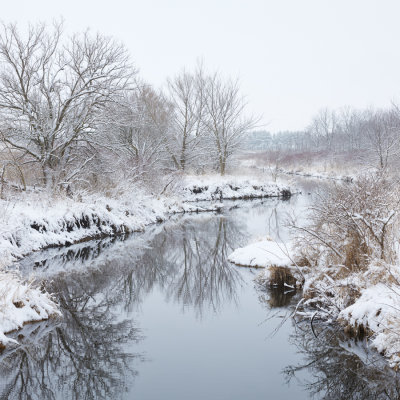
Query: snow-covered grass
346	258
350	243
344	167
318	174
366	303
21	303
214	187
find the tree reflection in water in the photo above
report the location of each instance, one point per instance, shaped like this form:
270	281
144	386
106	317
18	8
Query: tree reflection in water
341	369
80	357
89	353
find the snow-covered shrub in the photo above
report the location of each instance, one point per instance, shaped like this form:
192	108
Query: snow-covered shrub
351	244
352	224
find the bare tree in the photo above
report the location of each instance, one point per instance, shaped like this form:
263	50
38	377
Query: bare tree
324	127
133	138
382	130
187	96
353	224
225	120
51	92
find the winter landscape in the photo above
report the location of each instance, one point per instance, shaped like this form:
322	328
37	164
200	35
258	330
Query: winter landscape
177	221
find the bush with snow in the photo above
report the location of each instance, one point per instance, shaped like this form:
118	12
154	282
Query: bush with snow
351	246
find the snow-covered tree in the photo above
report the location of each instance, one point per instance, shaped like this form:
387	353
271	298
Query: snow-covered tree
186	91
133	138
52	91
225	120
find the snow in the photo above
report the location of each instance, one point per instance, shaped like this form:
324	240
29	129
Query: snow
214	187
262	254
369	298
36	220
378	310
27	226
21	303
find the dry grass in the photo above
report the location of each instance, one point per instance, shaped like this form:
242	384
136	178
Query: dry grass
279	276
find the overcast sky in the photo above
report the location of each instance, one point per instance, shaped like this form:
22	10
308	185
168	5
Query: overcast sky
293	57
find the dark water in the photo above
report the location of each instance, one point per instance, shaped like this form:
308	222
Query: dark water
163	315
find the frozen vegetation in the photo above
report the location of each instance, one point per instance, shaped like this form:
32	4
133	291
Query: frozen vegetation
38	221
88	149
345	258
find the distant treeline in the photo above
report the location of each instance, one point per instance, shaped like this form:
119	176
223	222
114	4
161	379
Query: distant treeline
371	134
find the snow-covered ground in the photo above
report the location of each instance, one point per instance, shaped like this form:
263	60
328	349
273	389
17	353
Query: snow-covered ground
212	187
35	220
364	303
21	303
377	309
332	175
276	259
40	222
262	254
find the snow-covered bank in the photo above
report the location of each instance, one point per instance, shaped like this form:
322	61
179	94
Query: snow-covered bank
38	221
35	224
200	188
276	259
262	254
365	303
34	221
21	303
334	176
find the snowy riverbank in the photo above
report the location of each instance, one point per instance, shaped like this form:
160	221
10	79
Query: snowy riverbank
366	303
201	188
35	220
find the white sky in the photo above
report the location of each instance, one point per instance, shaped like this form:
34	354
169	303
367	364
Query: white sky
293	57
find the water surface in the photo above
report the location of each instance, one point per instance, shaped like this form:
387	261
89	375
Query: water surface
164	315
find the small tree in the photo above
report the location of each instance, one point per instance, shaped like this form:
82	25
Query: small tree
382	130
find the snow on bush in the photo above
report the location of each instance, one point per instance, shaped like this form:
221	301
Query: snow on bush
351	246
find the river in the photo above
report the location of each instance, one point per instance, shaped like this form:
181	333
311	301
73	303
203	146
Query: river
163	315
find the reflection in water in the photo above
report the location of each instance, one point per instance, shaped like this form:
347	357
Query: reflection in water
82	355
88	354
93	351
278	297
338	368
